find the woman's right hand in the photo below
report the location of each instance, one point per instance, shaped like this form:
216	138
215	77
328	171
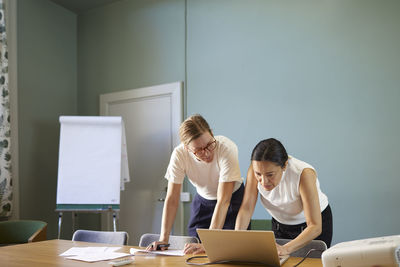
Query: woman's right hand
282	250
193	248
155	244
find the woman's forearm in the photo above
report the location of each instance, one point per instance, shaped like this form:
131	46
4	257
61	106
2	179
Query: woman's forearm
249	202
170	209
168	217
219	215
309	233
243	218
224	195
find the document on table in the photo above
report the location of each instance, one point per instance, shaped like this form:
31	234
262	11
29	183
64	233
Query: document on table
168	252
92	254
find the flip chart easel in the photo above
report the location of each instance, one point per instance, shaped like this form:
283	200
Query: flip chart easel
92	166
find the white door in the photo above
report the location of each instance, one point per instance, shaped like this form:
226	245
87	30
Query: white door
152	116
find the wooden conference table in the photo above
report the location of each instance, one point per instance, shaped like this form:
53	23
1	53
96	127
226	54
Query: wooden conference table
46	253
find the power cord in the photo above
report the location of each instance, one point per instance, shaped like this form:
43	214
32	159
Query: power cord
306	256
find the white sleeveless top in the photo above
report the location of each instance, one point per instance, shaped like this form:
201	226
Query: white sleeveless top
284	201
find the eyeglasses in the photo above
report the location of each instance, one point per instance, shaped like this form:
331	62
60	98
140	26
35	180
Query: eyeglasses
201	151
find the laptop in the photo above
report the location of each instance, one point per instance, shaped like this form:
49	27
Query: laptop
241	246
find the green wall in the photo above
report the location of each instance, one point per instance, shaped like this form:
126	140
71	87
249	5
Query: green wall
47	88
321	76
127	45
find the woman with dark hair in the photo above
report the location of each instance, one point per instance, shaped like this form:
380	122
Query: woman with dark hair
290	191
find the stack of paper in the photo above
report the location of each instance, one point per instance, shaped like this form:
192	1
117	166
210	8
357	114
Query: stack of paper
92	254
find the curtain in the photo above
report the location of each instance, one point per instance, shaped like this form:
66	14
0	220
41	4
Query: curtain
5	133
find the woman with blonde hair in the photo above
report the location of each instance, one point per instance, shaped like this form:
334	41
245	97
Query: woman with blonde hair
211	164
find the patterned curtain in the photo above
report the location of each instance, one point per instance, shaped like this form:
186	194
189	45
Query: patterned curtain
5	152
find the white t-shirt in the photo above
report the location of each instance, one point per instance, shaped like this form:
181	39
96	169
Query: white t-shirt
284	201
206	176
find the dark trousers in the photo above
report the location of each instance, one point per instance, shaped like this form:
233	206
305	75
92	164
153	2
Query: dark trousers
292	231
202	211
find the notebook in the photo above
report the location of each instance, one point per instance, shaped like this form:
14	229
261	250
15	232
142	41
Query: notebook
241	246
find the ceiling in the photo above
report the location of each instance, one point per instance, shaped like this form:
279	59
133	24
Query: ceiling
80	6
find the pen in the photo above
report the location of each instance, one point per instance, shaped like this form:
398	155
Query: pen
159	246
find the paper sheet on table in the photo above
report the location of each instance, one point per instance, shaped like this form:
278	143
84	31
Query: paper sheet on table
168	252
74	251
98	257
92	254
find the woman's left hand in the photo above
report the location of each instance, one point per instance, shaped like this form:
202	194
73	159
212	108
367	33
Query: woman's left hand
282	250
193	248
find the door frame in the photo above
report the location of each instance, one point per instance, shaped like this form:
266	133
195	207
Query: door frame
172	90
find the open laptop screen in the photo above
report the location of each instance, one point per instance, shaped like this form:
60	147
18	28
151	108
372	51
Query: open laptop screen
241	246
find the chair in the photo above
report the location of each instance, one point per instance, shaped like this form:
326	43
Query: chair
22	231
115	238
314	244
260	224
176	242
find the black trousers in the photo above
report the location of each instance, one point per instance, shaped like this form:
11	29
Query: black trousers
202	210
292	231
